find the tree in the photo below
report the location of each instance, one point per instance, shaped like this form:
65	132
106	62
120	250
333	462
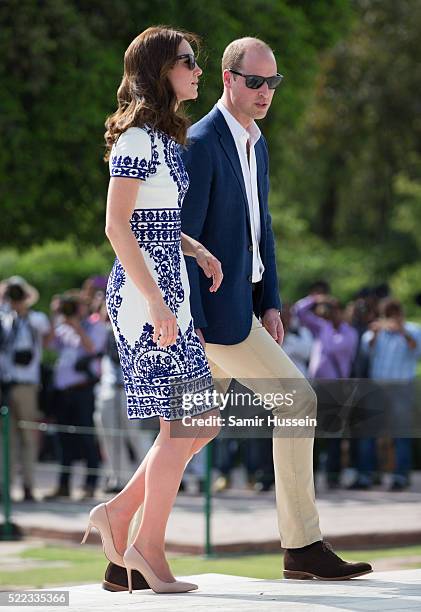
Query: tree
363	129
61	65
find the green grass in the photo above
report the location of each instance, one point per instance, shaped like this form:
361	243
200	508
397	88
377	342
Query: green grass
86	565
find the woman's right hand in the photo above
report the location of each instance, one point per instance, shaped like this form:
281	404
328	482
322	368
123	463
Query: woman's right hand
164	322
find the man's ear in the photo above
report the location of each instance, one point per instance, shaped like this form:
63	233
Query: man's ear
226	77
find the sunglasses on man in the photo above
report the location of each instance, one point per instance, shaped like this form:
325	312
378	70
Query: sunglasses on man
254	81
190	60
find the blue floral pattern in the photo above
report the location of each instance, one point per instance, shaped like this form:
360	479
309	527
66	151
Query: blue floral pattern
156	379
136	167
158	231
177	169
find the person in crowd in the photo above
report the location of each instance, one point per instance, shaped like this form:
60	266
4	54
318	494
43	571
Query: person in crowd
361	312
335	341
92	291
24	332
224	456
79	343
250	453
298	339
195	471
319	287
119	439
335	344
393	347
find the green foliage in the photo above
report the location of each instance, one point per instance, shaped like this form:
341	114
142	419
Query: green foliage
406	216
345	269
61	66
362	128
406	284
56	267
344	131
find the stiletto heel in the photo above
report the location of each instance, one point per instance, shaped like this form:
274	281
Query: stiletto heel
87	532
133	560
98	518
129	578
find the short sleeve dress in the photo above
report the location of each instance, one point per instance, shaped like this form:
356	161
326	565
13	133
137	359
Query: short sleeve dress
157	380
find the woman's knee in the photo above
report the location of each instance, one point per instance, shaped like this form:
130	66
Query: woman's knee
207	436
201	430
207	433
180	449
212	426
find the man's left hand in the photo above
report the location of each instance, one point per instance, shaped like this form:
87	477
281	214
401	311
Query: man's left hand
211	266
271	321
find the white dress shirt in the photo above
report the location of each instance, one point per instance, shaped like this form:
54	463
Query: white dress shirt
249	169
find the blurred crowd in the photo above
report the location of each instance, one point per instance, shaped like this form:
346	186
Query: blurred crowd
370	341
63	369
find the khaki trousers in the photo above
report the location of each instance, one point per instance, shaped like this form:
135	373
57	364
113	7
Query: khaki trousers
260	364
24	443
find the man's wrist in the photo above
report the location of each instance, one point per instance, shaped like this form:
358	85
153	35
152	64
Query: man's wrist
199	248
273	308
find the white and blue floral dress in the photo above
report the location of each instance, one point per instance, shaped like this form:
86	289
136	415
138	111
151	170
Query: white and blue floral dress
156	379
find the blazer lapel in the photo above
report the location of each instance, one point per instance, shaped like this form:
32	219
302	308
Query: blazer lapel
228	144
260	178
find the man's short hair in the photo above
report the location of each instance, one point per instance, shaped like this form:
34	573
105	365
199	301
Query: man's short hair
234	53
390	307
319	286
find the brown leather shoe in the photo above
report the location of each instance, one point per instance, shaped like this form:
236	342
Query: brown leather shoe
115	579
322	563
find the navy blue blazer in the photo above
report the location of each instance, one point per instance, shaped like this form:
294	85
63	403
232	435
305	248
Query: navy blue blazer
215	212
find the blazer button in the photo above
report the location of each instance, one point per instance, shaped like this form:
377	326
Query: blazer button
249	278
250	248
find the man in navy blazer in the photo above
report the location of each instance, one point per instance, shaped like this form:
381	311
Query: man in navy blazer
226	211
216	210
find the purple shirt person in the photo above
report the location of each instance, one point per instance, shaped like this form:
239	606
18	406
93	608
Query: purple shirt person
335	341
334	349
76	335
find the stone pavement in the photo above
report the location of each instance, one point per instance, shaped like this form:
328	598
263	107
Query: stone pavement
397	591
243	520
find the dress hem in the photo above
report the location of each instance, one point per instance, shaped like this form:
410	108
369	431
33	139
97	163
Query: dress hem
141	418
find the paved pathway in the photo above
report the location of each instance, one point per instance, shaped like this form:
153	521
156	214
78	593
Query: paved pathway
397	591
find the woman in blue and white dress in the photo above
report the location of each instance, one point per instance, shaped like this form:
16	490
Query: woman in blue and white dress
162	358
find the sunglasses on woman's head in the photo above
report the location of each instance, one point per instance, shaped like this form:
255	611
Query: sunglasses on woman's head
190	60
253	81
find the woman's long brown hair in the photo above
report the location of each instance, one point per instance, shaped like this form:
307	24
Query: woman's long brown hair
145	95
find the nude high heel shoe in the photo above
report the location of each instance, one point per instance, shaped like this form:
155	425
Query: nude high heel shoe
98	518
133	560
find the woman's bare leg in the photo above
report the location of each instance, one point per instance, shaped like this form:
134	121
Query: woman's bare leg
125	504
163	475
164	471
